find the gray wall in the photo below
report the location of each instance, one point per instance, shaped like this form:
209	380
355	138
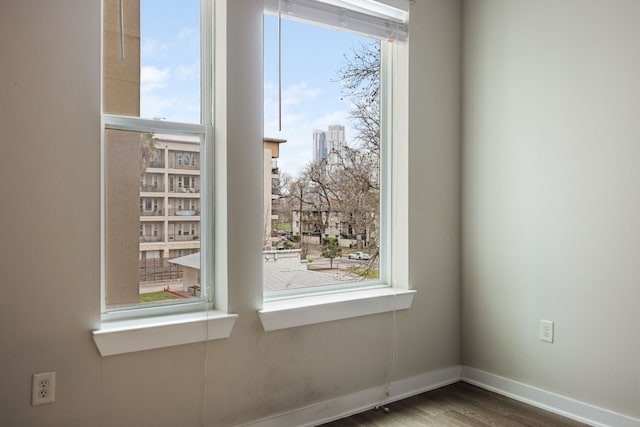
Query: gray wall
50	258
551	202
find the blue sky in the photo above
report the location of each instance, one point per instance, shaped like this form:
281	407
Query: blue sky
170	60
311	98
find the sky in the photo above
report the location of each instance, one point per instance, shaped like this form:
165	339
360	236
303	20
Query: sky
311	56
170	60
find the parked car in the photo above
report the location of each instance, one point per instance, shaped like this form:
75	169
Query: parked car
359	255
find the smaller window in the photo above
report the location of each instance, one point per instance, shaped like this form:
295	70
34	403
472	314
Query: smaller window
153	105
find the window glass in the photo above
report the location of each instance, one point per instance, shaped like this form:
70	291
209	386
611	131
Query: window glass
152	68
152	232
152	165
322	170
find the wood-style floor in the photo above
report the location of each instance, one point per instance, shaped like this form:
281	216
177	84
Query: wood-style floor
458	404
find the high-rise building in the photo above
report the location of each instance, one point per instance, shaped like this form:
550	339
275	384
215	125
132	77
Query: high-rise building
336	143
320	149
329	146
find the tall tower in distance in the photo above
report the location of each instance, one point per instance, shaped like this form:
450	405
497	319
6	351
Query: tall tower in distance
320	149
336	142
329	145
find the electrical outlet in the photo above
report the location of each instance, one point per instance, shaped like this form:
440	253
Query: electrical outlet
546	331
43	388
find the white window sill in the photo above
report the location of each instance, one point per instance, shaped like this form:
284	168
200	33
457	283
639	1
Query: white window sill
292	312
125	336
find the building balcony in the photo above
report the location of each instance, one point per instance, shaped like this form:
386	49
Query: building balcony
183	212
187	213
151	239
182	190
183	238
152	213
152	188
176	165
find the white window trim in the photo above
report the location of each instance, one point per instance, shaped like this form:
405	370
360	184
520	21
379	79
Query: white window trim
391	24
126	336
282	311
149	327
319	308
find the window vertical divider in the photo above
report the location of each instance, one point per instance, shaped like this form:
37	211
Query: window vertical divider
207	180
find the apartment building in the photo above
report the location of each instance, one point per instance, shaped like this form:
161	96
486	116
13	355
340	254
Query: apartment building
170	199
271	187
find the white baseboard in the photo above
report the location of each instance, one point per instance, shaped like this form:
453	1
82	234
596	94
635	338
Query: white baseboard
354	403
546	400
361	401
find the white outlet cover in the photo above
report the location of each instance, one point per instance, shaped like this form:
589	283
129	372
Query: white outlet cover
43	388
546	331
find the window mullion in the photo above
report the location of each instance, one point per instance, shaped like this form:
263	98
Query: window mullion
111	121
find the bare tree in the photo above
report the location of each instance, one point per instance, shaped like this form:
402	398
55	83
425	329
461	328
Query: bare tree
324	195
298	194
360	172
285	183
360	79
348	187
285	203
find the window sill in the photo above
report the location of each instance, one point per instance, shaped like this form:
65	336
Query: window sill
126	336
289	313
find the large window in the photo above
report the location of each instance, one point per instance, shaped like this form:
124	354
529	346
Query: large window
156	155
327	144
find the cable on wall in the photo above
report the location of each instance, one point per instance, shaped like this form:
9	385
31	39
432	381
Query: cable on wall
205	364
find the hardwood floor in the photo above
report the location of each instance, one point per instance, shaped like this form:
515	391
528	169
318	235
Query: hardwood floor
458	404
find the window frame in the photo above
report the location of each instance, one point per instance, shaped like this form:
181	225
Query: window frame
286	309
203	131
137	328
136	124
385	266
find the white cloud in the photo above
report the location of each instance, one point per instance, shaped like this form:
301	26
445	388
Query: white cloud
151	48
152	78
295	94
148	47
298	94
183	107
188	33
189	72
340	117
152	106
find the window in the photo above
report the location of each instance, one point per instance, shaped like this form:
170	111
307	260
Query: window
154	108
157	92
185	160
368	212
335	145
